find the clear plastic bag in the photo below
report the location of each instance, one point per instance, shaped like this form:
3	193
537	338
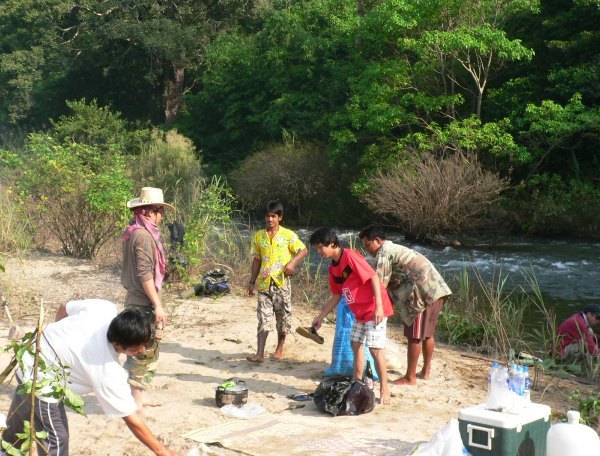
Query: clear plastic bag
445	442
244	412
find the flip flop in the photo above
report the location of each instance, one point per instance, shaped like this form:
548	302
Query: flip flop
310	333
301	397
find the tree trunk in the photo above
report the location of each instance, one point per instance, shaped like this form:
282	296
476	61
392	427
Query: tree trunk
173	95
479	101
360	8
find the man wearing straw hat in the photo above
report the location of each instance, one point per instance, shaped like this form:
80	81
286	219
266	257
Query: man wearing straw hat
144	268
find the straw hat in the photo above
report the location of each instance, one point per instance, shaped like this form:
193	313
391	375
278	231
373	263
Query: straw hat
150	196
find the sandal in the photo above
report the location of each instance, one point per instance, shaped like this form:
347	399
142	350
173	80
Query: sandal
301	397
310	333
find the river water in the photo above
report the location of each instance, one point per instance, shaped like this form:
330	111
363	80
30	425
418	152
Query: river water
567	271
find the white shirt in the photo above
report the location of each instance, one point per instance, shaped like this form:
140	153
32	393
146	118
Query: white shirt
79	341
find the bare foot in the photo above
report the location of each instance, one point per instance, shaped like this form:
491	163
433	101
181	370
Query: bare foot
423	375
404	381
255	359
277	356
384	396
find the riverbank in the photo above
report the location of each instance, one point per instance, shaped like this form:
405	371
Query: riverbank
206	342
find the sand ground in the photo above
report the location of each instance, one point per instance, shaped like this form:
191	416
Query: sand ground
206	343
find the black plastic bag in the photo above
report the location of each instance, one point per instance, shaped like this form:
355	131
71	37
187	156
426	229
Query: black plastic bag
341	395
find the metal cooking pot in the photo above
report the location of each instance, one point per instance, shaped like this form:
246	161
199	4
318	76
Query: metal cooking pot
236	395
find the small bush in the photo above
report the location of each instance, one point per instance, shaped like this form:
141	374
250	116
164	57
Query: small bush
294	173
169	162
77	192
589	409
429	197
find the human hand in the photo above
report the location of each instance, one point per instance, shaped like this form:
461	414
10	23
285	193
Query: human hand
250	288
160	315
289	269
317	323
378	315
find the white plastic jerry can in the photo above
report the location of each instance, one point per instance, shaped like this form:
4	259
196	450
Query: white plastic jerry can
572	438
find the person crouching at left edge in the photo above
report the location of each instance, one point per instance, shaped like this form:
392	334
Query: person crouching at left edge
142	275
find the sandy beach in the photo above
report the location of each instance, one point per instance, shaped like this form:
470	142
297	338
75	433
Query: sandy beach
206	342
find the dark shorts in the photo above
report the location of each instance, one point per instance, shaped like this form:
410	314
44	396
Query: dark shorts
425	323
48	417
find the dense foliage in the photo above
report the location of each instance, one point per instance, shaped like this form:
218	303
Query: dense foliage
375	84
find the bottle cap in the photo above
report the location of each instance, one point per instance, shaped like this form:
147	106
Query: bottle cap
573	416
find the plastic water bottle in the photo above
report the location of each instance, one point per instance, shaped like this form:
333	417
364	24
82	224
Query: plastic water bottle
518	390
500	388
491	395
512	373
526	386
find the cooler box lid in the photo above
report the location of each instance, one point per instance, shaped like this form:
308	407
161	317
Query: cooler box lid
478	414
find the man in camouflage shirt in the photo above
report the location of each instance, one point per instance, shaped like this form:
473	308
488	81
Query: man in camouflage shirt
417	290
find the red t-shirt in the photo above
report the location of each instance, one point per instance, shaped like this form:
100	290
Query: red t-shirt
577	329
351	277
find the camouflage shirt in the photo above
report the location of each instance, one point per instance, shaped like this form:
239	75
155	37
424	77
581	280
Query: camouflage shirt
408	275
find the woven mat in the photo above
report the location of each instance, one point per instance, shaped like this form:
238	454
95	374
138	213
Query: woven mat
269	434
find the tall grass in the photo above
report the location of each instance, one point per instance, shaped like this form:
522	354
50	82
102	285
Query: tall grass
485	315
545	337
489	317
16	231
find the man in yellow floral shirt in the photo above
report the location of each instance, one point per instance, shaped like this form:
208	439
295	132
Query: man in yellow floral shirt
276	251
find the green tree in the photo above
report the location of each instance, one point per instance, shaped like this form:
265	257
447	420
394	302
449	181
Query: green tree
152	49
560	138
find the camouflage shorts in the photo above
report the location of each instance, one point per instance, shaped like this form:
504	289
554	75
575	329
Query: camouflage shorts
276	301
142	368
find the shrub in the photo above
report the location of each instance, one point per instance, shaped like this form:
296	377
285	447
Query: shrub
98	125
294	173
428	196
78	192
169	162
209	218
547	204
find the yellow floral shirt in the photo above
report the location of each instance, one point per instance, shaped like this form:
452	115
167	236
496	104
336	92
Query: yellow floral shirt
274	254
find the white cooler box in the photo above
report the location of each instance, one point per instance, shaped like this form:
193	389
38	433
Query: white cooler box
486	432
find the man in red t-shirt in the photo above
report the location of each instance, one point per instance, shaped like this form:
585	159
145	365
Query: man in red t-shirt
350	275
